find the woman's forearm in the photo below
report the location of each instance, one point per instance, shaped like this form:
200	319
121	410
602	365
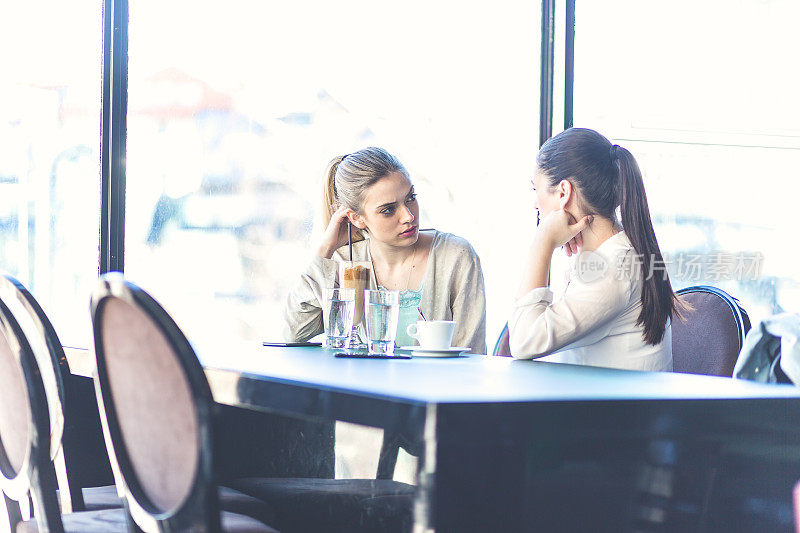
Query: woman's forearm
537	267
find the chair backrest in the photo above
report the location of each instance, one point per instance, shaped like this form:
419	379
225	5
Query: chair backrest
54	366
502	346
711	337
156	406
25	463
46	348
76	442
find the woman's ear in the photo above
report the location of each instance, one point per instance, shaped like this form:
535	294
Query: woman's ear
564	193
356	220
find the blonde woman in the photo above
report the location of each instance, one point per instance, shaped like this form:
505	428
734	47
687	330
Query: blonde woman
435	272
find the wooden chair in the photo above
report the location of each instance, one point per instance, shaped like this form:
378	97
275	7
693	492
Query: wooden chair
157	410
76	438
26	468
77	449
158	418
711	337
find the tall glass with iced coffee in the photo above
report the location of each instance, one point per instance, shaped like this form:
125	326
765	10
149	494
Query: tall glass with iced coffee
355	275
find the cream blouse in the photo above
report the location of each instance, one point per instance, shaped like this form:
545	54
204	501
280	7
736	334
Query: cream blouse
452	289
594	322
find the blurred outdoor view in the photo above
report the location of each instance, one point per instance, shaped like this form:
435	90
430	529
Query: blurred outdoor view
235	111
50	90
705	96
236	108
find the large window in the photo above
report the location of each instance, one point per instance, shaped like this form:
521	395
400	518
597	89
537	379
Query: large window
235	111
49	155
704	94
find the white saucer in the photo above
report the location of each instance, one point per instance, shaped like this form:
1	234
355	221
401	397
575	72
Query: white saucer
418	351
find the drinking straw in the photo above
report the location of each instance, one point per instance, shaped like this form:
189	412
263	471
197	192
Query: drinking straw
350	239
421	314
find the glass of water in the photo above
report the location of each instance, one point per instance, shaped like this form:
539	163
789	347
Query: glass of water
381	310
337	314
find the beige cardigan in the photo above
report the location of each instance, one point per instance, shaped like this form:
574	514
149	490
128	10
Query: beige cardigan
452	289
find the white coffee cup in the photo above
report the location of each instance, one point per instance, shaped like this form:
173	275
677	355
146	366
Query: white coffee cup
432	334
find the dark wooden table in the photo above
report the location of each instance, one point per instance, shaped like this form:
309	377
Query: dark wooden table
519	445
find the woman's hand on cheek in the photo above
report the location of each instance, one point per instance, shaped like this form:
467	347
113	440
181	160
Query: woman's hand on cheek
559	228
571	247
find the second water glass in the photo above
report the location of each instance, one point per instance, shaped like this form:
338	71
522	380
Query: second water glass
382	309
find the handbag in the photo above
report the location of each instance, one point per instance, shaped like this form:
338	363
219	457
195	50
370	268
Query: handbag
771	351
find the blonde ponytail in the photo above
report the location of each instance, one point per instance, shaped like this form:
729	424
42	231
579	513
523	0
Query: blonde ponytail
330	202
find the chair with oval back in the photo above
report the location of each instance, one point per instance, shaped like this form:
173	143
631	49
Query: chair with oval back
710	336
158	418
83	471
156	409
26	467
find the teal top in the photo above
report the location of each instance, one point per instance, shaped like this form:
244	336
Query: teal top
409	314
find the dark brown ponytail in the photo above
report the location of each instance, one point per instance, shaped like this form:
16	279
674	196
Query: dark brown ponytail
606	177
658	299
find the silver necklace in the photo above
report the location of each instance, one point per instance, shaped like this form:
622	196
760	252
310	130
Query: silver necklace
410	270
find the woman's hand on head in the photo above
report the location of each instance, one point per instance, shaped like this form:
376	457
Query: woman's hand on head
336	233
559	228
571	246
